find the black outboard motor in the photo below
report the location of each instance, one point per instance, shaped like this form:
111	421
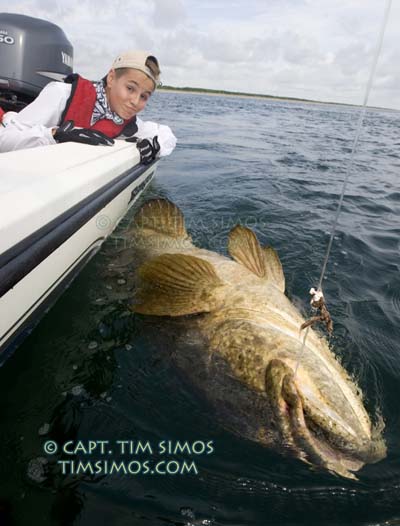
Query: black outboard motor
33	52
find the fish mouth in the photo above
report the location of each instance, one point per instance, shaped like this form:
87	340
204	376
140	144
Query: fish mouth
315	432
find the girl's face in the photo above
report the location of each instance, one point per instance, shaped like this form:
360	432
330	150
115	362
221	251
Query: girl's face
128	94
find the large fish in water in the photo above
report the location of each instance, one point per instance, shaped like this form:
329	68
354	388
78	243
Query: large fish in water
250	339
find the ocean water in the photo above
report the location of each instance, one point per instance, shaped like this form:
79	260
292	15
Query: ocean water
93	371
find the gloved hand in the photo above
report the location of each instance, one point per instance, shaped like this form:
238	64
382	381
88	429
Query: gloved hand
149	149
67	133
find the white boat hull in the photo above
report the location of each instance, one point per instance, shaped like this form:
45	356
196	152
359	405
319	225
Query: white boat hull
53	220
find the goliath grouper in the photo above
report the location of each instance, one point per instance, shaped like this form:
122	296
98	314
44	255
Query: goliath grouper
250	334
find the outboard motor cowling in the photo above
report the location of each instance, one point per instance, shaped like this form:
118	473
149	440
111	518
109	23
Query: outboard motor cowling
33	52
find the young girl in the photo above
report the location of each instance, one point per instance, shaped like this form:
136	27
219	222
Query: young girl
80	110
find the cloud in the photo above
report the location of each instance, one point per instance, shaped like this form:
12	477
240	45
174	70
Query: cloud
168	13
301	48
354	58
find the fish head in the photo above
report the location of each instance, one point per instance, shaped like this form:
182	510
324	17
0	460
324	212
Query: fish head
311	413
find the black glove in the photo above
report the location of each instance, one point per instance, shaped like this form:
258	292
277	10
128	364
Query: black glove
149	149
67	133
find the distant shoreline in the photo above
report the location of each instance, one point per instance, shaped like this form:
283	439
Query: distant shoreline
201	91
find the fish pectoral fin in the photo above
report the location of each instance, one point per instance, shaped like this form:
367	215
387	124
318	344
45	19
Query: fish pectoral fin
243	246
161	216
177	284
274	268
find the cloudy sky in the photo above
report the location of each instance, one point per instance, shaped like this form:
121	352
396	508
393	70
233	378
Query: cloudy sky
315	49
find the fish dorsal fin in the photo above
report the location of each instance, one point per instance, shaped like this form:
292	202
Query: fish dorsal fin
244	248
161	216
274	268
177	284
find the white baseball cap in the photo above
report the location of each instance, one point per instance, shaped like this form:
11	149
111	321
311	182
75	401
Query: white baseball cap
137	60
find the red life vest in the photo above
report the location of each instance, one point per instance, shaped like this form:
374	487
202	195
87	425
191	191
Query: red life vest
2	113
80	105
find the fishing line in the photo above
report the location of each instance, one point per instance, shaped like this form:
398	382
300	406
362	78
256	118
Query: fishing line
351	160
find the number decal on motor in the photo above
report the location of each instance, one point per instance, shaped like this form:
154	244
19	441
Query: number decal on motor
6	39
